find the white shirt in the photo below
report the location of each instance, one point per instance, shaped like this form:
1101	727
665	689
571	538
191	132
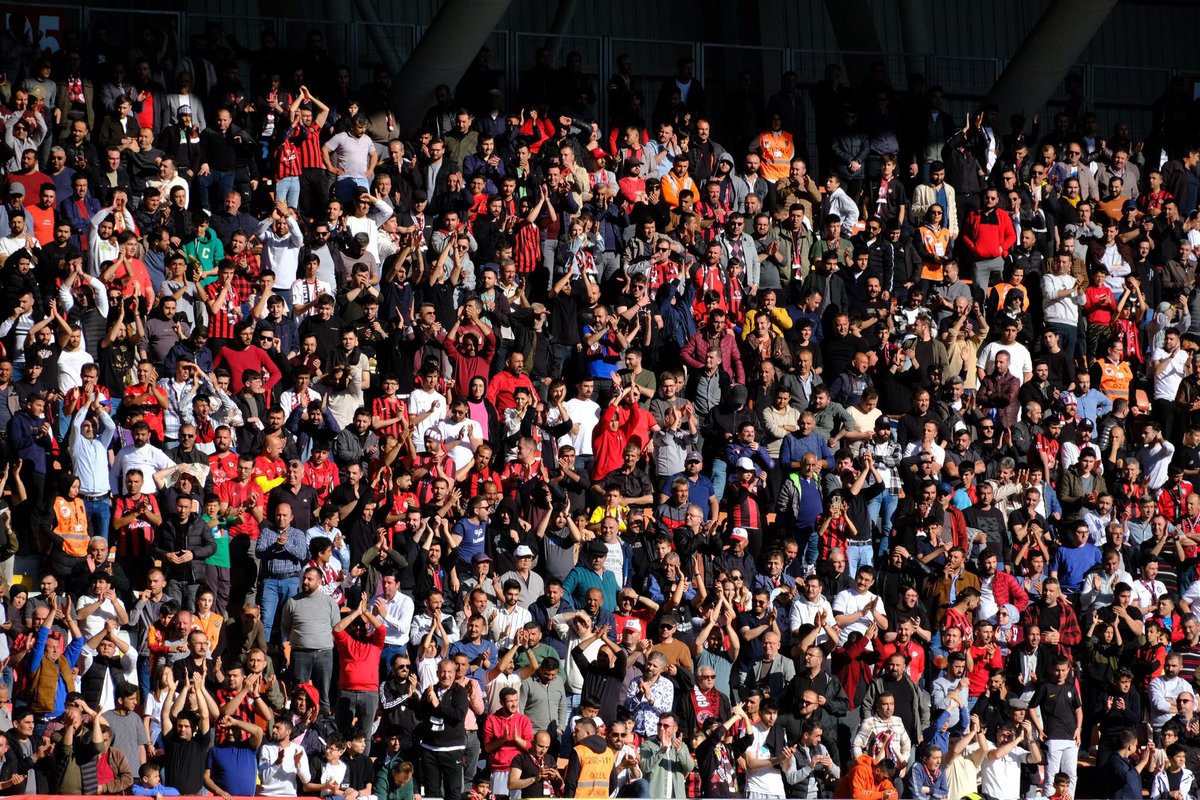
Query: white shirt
398	619
1192	595
1064	311
281	254
279	780
849	601
419	402
506	624
70	364
1019	361
1166	383
464	431
937	451
805	613
149	459
766	781
1002	776
305	293
1163	691
1068	454
1155	459
585	414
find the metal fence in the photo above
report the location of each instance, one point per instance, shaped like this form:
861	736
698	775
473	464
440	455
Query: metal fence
1116	92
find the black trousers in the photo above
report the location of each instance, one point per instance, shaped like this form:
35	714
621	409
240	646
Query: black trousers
442	773
314	192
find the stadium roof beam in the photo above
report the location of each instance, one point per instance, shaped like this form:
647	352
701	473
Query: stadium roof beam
854	28
1047	54
448	47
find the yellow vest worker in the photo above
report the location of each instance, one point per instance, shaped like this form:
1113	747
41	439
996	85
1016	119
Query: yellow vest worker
776	149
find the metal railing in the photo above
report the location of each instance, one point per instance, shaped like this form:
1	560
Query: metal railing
1116	92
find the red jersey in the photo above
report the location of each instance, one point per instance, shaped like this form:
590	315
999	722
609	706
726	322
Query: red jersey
223	467
323	479
206	434
221	322
271	470
1172	502
136	538
389	408
235	495
471	485
837	535
73	400
152	411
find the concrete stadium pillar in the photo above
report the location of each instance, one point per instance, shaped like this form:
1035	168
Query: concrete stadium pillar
1047	54
449	45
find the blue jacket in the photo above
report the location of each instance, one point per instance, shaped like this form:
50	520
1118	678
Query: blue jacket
70	653
26	439
679	325
582	577
794	447
735	452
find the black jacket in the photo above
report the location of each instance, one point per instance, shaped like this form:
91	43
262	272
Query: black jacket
192	535
442	725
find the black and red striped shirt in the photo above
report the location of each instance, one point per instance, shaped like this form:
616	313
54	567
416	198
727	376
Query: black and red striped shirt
308	142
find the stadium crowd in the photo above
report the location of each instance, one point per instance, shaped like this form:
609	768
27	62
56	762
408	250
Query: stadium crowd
618	461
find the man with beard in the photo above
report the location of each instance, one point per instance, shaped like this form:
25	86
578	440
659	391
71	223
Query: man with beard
283	765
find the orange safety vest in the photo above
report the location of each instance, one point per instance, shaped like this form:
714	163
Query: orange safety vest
71	524
1115	379
595	772
672	186
938	243
776	149
1002	290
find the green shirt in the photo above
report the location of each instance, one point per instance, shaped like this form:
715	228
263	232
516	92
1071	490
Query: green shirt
220	534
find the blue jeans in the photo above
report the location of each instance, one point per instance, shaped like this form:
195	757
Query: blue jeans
347	189
719	477
639	788
1068	338
809	548
276	592
390	651
222	179
882	507
99	516
288	190
859	555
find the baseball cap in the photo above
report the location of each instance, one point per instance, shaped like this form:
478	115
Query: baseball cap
480	558
693	455
745	464
16	190
739	533
523	551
